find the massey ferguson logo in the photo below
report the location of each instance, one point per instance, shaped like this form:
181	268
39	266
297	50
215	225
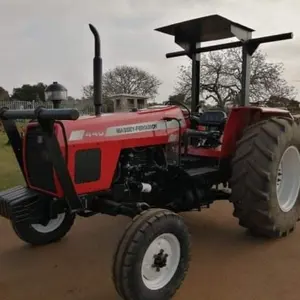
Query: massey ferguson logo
78	135
137	128
141	127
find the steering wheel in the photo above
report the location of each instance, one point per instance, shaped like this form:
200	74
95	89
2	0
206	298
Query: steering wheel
171	102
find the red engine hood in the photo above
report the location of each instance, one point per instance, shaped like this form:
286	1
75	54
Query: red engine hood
145	123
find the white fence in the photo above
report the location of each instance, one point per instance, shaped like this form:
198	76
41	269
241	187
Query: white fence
84	107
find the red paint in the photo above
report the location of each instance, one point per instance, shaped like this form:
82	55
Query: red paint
111	146
201	128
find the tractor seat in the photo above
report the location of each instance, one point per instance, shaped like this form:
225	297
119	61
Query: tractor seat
213	118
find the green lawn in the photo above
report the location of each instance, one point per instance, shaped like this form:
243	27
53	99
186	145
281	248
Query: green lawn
10	174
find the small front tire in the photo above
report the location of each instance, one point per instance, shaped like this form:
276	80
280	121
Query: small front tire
152	257
38	234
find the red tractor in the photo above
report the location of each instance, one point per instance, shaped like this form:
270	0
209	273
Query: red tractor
154	163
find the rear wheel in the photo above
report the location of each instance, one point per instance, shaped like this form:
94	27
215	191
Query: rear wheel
152	257
266	178
41	234
288	179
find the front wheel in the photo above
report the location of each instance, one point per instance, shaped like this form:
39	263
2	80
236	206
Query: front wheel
152	257
42	234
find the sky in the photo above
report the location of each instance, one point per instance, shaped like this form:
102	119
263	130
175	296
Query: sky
49	40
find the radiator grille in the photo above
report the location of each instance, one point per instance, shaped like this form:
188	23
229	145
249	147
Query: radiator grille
39	167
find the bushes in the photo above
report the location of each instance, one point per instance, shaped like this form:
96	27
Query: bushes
20	125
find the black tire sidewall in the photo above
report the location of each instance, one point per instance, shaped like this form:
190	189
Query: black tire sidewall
135	275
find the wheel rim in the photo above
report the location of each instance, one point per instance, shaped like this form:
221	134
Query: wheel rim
52	225
288	179
161	261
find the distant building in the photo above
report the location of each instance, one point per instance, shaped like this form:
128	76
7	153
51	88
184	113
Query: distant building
126	102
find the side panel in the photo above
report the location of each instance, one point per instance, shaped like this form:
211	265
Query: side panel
104	135
111	148
145	129
109	157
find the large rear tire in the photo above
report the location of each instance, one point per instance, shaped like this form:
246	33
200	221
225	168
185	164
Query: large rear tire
152	257
265	179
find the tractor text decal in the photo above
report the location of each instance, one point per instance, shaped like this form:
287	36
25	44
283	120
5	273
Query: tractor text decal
137	128
140	127
77	135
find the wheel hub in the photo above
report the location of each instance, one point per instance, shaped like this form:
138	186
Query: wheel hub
287	181
51	225
160	260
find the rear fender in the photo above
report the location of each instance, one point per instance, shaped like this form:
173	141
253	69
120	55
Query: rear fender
240	118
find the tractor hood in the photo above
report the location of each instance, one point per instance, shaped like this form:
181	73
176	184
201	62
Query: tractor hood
125	125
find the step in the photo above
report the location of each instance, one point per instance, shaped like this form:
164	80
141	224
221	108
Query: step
189	158
201	171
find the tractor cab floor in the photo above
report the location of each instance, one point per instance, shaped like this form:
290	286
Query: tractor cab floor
190	161
199	167
202	164
189	158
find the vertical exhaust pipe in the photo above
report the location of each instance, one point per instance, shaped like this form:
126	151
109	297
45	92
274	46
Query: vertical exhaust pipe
97	72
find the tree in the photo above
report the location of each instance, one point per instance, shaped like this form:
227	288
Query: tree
4	95
87	92
29	92
153	104
283	102
71	99
126	80
221	75
177	97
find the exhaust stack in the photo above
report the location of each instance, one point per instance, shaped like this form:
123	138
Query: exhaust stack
97	72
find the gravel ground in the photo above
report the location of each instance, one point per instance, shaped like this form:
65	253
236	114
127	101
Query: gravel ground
226	262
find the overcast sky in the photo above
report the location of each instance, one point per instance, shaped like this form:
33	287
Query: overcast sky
49	40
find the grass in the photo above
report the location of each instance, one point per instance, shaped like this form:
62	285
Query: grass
10	174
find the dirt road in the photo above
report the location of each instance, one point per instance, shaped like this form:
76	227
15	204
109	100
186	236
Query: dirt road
226	263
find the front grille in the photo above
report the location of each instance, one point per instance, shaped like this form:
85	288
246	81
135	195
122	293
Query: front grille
39	167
